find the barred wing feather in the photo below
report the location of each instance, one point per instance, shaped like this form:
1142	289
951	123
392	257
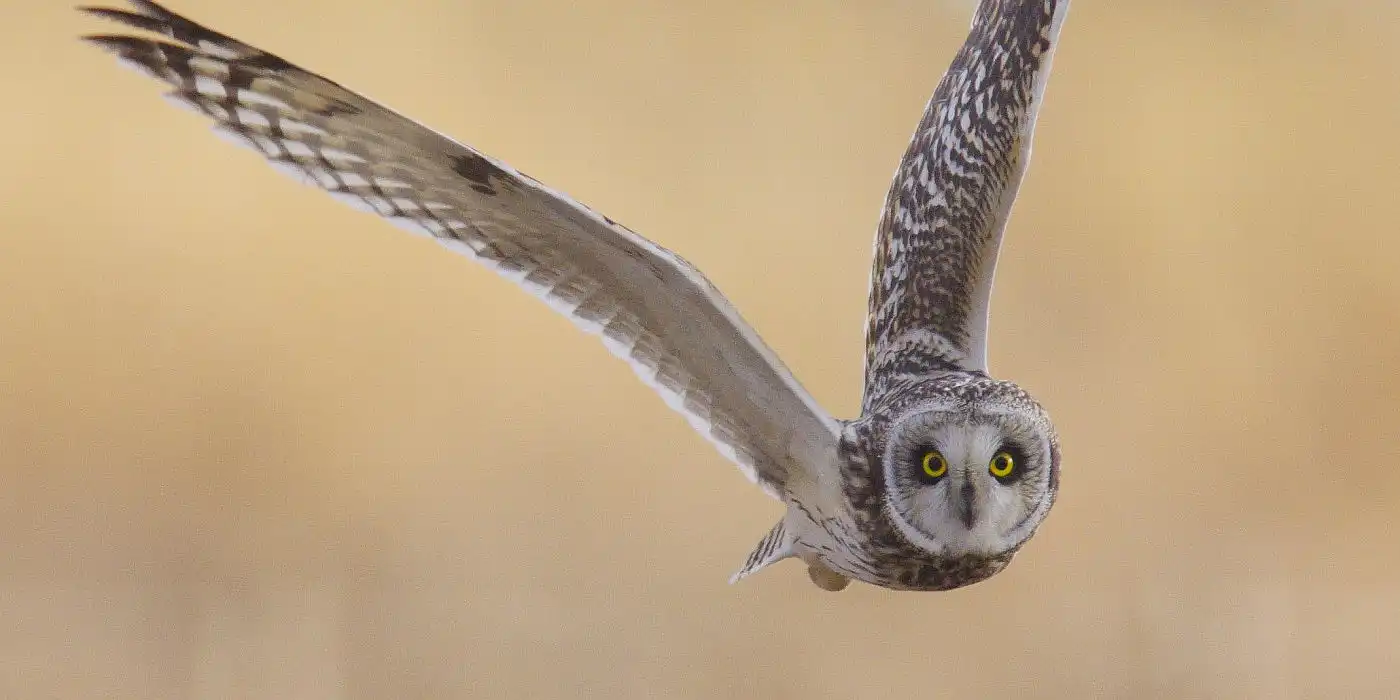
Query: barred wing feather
648	305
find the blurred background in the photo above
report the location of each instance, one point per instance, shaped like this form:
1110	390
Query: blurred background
254	444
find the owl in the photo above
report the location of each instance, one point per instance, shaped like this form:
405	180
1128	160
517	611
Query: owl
946	473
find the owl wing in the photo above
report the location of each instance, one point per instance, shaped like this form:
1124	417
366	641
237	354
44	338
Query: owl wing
936	247
650	307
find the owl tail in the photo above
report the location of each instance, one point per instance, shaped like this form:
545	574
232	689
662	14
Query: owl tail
774	547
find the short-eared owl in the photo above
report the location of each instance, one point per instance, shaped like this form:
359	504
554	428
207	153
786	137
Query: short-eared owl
945	474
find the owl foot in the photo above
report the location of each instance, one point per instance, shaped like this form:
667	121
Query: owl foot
826	579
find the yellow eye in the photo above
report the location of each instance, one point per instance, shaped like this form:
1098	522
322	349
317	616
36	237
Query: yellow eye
935	466
1003	464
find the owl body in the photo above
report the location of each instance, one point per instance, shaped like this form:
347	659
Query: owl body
946	473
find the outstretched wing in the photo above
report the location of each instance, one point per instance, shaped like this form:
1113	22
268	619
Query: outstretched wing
650	307
936	249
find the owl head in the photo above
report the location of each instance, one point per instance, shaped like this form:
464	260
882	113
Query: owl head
970	472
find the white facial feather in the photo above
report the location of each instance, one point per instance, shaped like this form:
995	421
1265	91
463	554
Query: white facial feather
929	515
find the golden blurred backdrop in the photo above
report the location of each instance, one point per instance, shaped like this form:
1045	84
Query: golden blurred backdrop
254	444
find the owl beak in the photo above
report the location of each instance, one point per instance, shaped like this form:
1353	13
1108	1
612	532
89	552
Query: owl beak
967	505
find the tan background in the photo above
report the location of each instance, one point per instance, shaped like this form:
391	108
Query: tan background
257	445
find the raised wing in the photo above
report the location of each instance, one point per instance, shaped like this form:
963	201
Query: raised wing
650	307
936	249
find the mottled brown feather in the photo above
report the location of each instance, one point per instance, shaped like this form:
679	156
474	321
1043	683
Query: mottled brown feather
940	230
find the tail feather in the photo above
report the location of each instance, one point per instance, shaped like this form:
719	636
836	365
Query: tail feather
773	548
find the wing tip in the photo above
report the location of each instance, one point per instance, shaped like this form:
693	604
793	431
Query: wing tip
150	22
113	42
145	8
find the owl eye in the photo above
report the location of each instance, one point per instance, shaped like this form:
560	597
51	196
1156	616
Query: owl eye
935	466
1003	467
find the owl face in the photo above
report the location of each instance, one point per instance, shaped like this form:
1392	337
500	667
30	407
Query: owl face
970	477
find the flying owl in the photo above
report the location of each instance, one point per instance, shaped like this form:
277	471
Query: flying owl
945	474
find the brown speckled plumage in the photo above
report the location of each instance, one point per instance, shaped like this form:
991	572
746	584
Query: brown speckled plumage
854	509
941	225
